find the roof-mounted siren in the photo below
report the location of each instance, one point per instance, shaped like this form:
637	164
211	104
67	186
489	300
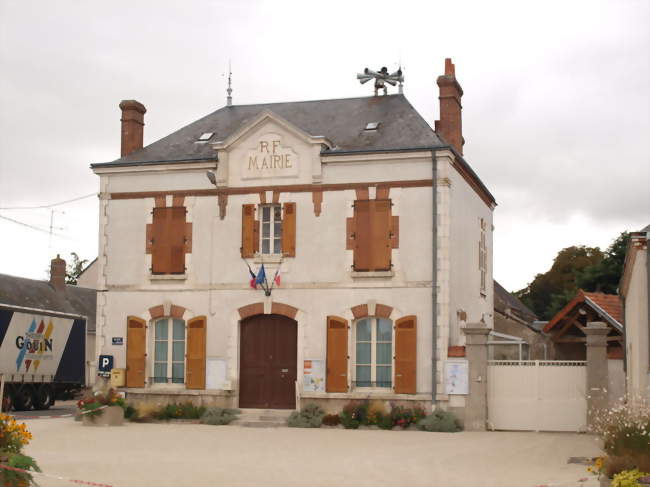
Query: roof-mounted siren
382	77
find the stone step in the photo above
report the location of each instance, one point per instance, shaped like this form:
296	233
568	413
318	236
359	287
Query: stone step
262	418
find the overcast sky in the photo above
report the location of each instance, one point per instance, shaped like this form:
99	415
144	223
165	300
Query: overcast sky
555	112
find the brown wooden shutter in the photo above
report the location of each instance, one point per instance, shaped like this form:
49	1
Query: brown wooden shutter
136	336
349	233
196	331
177	240
406	355
362	239
160	245
394	232
380	224
248	231
337	355
289	230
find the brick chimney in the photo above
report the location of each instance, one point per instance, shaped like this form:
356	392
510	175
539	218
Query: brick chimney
57	274
450	125
132	125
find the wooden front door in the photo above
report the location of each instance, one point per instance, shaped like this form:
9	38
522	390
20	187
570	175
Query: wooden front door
268	363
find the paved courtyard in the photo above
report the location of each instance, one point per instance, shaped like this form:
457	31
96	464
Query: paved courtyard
160	455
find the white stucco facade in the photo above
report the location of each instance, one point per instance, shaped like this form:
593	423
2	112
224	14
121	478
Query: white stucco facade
318	281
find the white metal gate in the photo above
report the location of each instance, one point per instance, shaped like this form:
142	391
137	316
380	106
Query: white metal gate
537	395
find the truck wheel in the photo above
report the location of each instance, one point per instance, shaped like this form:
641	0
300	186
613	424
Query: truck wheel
23	398
8	400
43	397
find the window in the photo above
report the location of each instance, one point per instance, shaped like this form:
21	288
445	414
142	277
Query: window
482	257
169	351
271	235
169	238
372	234
373	365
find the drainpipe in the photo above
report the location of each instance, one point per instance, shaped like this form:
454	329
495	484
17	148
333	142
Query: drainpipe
434	280
647	284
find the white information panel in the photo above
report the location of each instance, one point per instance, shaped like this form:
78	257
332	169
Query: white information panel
216	370
314	376
456	376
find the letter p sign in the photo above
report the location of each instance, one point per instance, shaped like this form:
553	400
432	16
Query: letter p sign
105	363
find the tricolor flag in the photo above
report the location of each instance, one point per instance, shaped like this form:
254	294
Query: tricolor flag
277	277
252	280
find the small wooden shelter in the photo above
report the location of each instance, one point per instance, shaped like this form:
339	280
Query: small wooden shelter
566	329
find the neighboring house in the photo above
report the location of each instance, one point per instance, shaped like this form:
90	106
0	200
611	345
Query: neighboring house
54	296
376	227
566	327
514	336
634	291
89	277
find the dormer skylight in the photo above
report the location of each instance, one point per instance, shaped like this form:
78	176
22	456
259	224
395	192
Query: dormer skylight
206	136
372	126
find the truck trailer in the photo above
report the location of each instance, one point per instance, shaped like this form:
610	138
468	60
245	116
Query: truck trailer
42	355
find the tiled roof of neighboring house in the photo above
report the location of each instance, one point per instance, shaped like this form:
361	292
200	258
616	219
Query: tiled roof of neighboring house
610	303
341	121
607	306
503	300
32	293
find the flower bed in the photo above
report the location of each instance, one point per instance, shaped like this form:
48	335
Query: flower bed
13	437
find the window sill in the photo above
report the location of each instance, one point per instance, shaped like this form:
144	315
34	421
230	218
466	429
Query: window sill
371	274
268	258
357	394
167	277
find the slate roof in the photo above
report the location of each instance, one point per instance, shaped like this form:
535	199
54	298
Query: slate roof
341	121
503	299
31	293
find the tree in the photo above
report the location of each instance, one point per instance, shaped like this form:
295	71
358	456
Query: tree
605	276
74	269
549	292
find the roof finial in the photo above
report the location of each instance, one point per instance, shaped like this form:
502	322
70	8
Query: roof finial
229	90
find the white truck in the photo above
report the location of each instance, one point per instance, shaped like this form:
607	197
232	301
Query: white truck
42	355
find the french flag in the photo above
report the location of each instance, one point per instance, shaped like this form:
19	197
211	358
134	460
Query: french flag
277	277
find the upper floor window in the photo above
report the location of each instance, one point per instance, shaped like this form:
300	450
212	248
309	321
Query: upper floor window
372	234
482	256
373	353
271	235
169	351
268	229
169	238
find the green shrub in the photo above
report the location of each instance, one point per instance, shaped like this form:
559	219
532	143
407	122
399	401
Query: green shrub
440	421
331	420
628	478
179	411
219	416
385	422
311	416
130	413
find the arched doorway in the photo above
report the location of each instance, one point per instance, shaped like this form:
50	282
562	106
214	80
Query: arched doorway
268	362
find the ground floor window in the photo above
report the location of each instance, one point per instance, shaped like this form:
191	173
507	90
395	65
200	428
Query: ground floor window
169	351
373	360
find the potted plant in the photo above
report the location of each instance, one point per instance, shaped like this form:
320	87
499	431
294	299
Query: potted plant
102	409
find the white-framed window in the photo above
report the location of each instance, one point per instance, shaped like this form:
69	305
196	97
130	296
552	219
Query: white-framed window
373	353
482	257
169	351
271	234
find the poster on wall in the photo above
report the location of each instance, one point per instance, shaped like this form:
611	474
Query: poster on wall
216	373
456	377
314	376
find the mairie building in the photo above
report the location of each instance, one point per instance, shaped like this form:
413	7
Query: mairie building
274	255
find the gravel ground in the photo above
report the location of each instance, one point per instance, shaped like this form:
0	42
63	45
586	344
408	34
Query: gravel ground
160	455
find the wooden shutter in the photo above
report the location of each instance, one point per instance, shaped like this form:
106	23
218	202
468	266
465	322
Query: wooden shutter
380	225
249	242
406	355
337	354
177	240
196	331
289	230
394	233
136	335
160	245
362	239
